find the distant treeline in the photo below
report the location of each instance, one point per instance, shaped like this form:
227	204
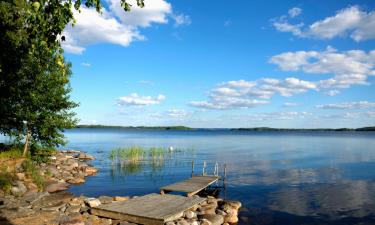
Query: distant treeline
137	127
233	129
292	129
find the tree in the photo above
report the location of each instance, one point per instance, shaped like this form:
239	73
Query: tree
34	76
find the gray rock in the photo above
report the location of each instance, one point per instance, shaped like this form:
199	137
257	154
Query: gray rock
72	222
59	186
182	222
170	223
73	209
190	214
213	218
92	202
32	197
105	199
18	190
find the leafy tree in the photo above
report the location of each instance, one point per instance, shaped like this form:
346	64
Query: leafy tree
34	76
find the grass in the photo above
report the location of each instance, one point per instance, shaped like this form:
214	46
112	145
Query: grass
32	171
6	179
11	152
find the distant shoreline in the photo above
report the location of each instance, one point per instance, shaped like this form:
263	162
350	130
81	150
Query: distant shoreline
230	129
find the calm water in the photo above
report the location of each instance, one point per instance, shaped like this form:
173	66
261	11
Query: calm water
281	178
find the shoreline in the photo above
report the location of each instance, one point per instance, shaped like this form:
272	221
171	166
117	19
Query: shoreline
28	204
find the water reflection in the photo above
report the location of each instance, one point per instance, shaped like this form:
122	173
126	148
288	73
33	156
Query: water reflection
281	178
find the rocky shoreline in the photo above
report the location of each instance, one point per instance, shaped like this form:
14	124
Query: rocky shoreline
28	204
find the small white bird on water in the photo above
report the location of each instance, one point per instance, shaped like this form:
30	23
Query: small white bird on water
170	148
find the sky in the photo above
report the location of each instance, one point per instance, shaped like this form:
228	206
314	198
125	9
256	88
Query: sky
215	64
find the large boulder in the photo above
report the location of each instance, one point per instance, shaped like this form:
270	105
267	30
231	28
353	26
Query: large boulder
213	218
18	190
92	202
58	186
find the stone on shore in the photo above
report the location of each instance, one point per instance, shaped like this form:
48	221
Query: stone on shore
92	202
120	198
213	218
58	186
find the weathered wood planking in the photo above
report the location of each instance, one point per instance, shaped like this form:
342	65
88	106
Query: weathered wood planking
152	209
191	186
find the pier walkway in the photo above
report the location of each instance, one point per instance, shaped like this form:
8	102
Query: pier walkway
191	186
151	209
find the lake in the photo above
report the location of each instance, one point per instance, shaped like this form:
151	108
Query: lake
280	177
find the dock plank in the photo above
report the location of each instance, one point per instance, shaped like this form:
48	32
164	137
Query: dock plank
191	186
152	209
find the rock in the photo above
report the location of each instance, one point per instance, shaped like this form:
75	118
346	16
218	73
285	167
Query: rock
73	209
76	202
92	202
190	214
20	176
53	170
53	207
18	190
32	187
182	222
89	171
221	212
206	210
230	218
232	211
76	180
32	197
105	199
192	222
59	186
72	222
231	204
170	223
205	222
214	219
120	198
85	156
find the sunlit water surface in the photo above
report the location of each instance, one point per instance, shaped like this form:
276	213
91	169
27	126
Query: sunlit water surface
280	177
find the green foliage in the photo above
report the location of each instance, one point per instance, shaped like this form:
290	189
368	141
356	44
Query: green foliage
34	76
11	152
31	170
6	179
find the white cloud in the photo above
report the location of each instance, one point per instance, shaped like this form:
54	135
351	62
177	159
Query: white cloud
274	116
116	26
348	105
351	21
86	64
247	94
332	92
290	104
347	67
295	11
136	100
176	113
181	19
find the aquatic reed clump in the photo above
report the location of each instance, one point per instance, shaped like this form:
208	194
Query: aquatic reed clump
130	154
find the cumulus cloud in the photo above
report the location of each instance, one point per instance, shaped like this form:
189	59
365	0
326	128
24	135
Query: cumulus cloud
272	116
247	94
332	92
295	11
176	113
181	19
348	105
85	64
136	100
351	21
116	26
290	104
347	67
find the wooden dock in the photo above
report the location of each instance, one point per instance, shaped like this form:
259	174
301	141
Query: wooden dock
152	209
191	186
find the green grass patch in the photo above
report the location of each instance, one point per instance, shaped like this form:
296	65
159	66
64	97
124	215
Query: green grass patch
6	179
11	152
31	170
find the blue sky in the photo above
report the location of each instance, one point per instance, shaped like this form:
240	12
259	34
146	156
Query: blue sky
254	63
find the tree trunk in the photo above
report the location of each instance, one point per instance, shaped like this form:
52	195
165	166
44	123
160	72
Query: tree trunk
27	139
